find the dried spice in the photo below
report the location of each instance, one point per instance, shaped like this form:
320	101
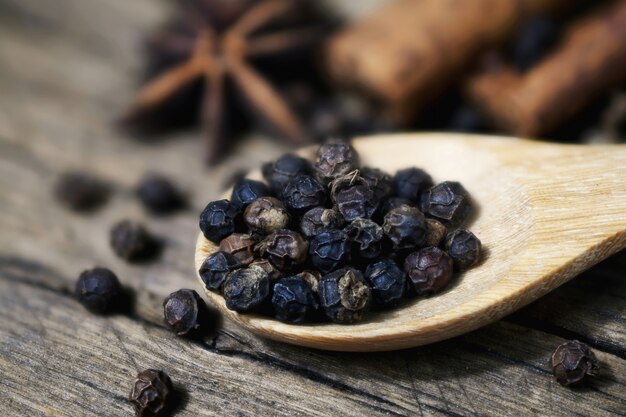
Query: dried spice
464	248
344	295
152	394
266	215
218	220
284	249
216	268
329	250
435	232
98	290
319	219
132	242
366	237
186	313
204	58
246	191
241	246
159	195
429	270
280	172
81	191
293	271
293	300
303	193
335	160
409	183
388	282
572	361
448	202
405	226
247	289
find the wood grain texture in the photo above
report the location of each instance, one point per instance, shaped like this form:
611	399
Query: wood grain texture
545	213
67	68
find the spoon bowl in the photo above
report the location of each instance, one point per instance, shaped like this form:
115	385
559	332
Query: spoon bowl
545	213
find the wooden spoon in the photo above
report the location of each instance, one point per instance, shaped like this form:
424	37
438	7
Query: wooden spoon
545	213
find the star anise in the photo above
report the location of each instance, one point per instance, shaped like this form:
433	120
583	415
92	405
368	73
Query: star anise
213	47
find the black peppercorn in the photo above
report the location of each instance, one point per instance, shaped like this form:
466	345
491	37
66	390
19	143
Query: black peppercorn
429	270
280	173
293	300
152	393
216	267
388	282
241	246
411	182
186	313
318	219
218	220
367	238
329	250
266	215
81	191
355	202
405	226
572	361
334	160
392	203
264	264
98	289
246	191
247	289
303	193
312	278
436	232
159	195
464	248
344	295
379	182
448	202
284	249
132	242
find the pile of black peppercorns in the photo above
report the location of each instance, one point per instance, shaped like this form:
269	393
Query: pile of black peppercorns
329	240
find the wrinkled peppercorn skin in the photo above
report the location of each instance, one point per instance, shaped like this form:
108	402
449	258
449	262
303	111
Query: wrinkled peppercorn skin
284	249
429	270
319	219
436	232
344	295
411	182
334	160
185	312
246	191
303	193
218	220
329	250
216	268
406	227
572	361
266	215
293	300
366	237
98	290
152	393
448	202
241	246
159	195
379	182
280	173
464	248
247	289
356	202
132	242
387	281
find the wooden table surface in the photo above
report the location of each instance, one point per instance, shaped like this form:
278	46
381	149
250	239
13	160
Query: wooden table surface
67	68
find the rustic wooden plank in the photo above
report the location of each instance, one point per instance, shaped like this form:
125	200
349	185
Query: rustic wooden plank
65	72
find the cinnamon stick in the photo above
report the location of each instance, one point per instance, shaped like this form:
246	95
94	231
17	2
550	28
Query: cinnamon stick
590	60
410	50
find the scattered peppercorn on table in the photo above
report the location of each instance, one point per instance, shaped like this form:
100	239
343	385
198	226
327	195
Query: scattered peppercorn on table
59	359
